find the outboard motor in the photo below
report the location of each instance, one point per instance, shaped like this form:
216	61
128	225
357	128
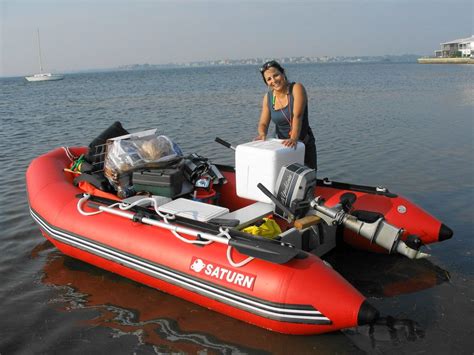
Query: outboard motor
294	189
379	232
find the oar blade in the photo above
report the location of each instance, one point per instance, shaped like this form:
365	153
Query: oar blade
273	252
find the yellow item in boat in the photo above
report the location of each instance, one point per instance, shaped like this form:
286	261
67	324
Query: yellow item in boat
268	229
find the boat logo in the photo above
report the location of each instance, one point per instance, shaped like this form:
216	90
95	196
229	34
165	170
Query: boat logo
285	189
219	272
198	265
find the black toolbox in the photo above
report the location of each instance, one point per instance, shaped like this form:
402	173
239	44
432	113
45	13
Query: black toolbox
161	182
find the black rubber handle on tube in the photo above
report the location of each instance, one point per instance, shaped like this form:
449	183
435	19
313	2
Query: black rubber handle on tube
224	143
277	202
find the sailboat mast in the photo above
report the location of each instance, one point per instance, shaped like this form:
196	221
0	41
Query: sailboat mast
39	51
42	76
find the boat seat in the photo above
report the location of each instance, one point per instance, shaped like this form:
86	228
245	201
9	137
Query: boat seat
249	214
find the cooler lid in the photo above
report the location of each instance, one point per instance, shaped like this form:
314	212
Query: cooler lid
266	145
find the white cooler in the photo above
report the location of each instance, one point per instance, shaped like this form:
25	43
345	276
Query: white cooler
260	162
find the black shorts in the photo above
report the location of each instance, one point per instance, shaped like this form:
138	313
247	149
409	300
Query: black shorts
310	155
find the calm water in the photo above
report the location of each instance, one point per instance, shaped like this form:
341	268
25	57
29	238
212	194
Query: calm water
406	126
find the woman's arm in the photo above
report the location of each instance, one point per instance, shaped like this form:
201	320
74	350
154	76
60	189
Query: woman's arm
299	96
264	120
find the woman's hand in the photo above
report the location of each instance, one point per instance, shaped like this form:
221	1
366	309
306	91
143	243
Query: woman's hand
290	143
260	137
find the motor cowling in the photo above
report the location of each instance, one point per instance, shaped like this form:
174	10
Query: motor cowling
295	189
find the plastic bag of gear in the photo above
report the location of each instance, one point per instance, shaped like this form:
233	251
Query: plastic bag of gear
135	151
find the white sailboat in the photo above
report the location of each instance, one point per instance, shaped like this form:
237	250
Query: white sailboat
41	76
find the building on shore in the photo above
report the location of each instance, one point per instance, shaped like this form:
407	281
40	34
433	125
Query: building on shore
463	47
458	51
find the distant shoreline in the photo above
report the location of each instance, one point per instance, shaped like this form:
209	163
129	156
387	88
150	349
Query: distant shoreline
406	58
445	61
386	59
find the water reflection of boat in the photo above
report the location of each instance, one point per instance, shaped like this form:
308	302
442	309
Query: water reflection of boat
376	275
172	324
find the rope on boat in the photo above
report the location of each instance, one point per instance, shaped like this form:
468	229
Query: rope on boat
71	156
225	233
199	242
166	217
84	199
126	206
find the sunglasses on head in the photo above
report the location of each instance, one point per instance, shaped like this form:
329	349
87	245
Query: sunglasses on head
267	65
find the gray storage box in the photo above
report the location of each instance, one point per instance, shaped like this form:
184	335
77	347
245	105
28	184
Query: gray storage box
161	182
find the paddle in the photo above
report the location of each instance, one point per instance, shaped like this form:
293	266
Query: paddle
272	251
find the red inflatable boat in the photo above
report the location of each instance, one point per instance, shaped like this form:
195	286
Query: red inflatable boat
281	284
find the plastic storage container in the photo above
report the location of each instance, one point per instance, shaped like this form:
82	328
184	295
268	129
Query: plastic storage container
162	182
260	162
193	209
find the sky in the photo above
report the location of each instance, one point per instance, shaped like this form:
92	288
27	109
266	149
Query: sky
99	34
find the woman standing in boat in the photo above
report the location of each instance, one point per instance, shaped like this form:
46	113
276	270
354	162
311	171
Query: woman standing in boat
286	104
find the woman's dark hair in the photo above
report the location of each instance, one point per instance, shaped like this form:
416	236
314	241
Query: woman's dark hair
271	64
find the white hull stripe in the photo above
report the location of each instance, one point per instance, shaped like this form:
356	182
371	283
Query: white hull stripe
280	312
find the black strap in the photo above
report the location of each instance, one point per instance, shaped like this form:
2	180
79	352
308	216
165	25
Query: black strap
97	180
